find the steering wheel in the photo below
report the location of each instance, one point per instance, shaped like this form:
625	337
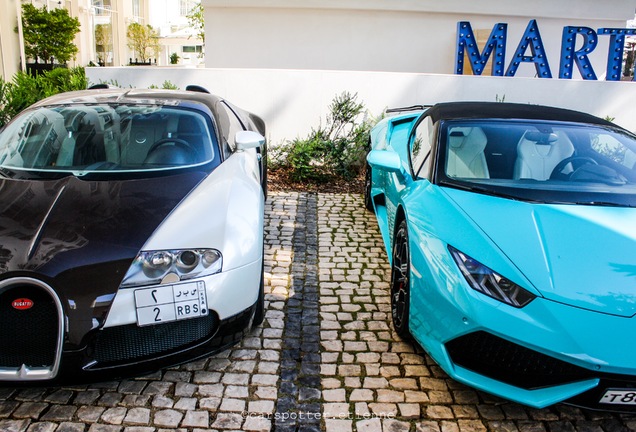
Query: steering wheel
177	141
558	175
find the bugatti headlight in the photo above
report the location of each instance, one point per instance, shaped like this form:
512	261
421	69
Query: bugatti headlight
486	281
155	267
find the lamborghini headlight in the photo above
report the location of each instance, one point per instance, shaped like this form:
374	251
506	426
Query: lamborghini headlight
170	266
488	282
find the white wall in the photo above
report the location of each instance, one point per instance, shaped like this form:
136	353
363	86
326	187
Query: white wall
293	101
416	36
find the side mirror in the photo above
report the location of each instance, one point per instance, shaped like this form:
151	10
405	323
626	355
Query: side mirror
248	139
385	160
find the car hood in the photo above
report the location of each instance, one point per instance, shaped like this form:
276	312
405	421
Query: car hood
574	254
51	226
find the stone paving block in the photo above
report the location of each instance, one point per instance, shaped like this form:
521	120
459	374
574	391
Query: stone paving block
185	404
60	413
257	424
42	427
139	429
137	416
104	428
114	415
31	410
210	403
167	418
196	419
231	421
232	405
336	425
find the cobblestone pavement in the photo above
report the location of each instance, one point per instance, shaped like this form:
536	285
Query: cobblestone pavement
325	359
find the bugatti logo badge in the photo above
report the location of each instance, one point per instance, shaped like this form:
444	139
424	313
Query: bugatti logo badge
22	304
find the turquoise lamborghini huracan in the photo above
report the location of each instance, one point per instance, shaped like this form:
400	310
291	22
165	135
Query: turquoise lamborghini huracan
511	233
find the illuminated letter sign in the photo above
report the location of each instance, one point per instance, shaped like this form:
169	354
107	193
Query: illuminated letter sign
496	43
615	54
531	39
569	56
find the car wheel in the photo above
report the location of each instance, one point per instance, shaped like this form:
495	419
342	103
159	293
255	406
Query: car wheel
400	279
259	312
368	203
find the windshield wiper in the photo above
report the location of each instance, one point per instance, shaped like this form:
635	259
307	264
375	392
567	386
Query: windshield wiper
486	191
603	204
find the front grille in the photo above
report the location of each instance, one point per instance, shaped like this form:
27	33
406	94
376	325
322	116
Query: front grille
499	359
28	336
131	342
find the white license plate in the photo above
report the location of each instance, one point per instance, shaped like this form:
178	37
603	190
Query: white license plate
619	397
165	303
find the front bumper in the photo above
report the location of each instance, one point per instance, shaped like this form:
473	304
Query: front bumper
119	347
539	355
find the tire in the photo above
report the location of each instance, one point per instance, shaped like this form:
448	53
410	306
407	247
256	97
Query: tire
400	282
368	203
259	312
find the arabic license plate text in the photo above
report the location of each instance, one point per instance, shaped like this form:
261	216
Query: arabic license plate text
165	303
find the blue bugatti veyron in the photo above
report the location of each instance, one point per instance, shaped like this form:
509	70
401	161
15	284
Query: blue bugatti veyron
511	233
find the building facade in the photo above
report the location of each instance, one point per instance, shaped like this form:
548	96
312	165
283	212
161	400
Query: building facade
416	36
102	36
177	37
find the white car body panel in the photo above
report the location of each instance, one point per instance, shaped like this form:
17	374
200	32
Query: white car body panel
224	212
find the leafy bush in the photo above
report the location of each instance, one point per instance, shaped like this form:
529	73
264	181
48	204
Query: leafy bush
24	89
167	85
49	34
337	149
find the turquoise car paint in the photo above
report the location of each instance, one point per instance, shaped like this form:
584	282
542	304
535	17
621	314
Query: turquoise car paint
601	278
576	260
385	160
539	398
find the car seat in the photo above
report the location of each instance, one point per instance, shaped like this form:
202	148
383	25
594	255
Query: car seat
539	152
466	153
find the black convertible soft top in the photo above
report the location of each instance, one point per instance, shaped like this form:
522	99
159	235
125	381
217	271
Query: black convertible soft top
483	110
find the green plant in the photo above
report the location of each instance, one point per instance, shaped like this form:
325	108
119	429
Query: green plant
167	85
24	89
143	40
48	33
103	40
174	58
196	20
334	150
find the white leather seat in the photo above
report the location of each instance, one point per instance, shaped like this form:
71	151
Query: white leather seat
536	159
466	153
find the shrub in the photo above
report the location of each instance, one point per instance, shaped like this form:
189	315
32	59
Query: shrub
49	34
337	149
24	89
167	85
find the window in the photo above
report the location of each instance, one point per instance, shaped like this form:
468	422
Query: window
102	7
185	7
136	8
421	141
82	139
192	49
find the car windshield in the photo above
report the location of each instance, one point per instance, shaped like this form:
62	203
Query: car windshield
81	139
551	162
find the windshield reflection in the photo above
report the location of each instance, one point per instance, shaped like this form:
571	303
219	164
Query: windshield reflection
553	162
